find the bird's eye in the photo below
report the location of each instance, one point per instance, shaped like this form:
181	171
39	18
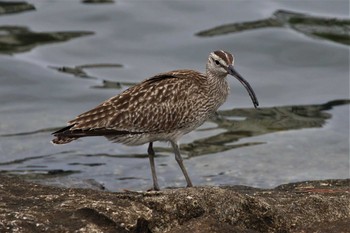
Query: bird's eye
217	62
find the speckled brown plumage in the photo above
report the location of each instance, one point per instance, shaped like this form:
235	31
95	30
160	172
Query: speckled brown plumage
161	108
164	104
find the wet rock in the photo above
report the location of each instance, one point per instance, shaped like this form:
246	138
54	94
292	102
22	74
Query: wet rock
7	7
332	29
314	206
17	39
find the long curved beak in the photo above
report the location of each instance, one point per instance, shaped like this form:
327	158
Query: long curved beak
247	86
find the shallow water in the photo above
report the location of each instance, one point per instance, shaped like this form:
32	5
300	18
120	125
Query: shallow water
58	61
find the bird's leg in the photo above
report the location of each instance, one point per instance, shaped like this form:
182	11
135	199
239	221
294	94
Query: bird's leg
178	159
153	168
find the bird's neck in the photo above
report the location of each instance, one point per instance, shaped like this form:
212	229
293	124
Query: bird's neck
216	82
217	87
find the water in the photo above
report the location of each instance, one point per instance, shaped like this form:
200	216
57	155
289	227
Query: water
301	79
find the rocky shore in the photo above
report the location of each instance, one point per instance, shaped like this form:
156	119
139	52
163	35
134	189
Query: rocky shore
310	206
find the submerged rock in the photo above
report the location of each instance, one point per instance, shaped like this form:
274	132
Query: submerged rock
332	29
7	7
18	39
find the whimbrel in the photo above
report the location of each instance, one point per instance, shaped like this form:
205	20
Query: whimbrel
161	108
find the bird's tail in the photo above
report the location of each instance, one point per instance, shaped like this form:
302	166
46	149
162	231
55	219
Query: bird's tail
63	140
61	136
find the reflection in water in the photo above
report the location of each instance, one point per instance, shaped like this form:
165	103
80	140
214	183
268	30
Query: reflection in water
333	29
78	71
14	7
97	1
258	122
36	171
15	39
238	124
106	84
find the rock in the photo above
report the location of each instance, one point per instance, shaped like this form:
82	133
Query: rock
331	29
7	7
313	206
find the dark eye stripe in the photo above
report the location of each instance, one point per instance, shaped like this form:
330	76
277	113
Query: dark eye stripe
217	62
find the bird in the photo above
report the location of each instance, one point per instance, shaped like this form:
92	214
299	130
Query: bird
161	108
